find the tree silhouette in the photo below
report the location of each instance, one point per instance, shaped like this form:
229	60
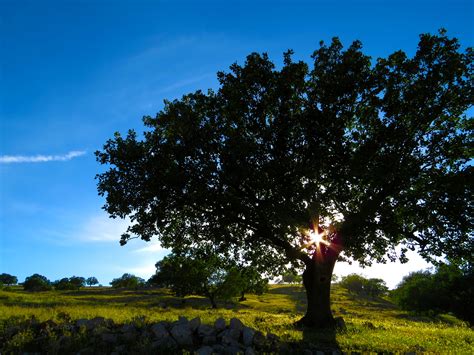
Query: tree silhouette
91	281
343	158
8	279
200	273
127	281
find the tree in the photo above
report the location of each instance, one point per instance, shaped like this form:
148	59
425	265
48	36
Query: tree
91	281
36	283
360	285
353	283
8	279
291	277
127	281
63	284
199	274
375	287
449	289
251	281
77	281
346	158
71	283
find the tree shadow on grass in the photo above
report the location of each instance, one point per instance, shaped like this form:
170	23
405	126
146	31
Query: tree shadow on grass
318	340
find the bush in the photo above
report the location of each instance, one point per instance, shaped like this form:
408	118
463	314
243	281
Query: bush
36	283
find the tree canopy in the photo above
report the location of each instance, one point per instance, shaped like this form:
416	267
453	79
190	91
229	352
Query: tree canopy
341	157
8	279
204	274
127	281
37	282
450	288
91	281
70	283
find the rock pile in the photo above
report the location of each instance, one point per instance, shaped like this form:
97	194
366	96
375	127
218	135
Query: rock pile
100	335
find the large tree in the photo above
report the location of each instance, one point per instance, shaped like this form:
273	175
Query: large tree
342	158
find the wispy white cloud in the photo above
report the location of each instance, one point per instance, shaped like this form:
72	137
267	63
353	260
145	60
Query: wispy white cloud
144	270
150	247
100	228
10	159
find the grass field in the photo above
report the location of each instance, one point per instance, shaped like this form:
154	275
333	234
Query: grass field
373	325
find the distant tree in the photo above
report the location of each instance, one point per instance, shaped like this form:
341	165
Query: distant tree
417	292
375	287
334	278
71	283
354	283
360	285
344	157
206	275
63	284
77	281
91	281
36	283
8	279
291	277
251	281
128	281
449	289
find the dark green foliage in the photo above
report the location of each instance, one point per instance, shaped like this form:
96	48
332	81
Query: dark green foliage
36	283
449	289
8	279
250	281
382	145
63	284
207	275
128	281
291	278
71	283
360	285
91	281
374	152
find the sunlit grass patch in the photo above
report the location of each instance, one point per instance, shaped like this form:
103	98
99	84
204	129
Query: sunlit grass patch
373	325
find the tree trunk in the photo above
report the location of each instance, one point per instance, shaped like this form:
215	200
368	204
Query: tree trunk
317	282
213	302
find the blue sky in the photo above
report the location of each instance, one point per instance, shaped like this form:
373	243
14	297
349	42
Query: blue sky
74	72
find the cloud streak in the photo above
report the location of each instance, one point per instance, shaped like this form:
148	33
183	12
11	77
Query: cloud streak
12	159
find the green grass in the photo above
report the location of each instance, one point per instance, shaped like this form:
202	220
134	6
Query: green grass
373	325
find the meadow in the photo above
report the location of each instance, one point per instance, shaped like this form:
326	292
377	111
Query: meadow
374	325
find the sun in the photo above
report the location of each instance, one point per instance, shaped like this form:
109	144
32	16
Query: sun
317	238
